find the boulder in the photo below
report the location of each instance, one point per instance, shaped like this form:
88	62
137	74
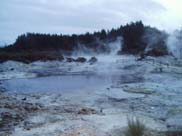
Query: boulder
70	60
81	60
93	60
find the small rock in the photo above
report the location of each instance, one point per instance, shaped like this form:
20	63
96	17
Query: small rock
6	115
24	99
174	123
86	111
12	69
108	88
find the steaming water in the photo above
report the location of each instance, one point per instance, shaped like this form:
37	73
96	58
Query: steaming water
81	76
71	77
56	84
88	77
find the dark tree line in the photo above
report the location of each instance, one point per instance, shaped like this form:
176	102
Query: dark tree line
134	40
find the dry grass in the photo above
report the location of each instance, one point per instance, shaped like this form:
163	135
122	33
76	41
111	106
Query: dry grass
135	128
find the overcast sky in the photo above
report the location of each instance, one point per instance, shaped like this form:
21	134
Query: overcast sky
79	16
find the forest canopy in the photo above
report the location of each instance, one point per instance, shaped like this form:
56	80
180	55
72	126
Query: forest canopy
137	38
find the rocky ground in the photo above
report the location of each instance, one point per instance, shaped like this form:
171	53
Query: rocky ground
124	88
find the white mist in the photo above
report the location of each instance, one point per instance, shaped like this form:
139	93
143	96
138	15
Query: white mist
174	44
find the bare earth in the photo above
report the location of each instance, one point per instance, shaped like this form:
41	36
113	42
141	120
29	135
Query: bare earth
83	99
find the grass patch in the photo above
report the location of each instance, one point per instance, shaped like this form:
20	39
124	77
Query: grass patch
135	128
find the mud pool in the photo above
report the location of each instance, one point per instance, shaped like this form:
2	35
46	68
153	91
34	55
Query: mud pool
56	84
66	99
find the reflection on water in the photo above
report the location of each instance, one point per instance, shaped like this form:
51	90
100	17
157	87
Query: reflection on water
56	83
72	77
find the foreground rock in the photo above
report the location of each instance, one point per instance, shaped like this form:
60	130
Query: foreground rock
13	111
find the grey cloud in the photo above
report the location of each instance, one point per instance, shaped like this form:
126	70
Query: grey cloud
60	16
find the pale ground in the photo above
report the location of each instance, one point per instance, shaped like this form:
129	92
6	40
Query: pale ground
95	100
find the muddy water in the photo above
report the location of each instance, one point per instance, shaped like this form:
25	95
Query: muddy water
70	77
64	83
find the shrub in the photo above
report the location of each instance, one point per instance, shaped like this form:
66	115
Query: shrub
135	128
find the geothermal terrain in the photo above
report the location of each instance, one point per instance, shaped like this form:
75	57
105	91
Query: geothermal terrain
94	97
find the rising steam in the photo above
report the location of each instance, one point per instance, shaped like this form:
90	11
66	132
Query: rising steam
174	43
115	46
107	48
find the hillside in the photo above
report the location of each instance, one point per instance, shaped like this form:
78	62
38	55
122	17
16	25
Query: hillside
136	38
